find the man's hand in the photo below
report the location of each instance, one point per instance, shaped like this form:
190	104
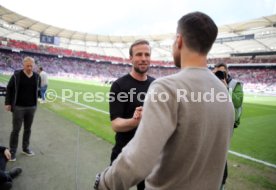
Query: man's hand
124	125
8	107
7	154
138	113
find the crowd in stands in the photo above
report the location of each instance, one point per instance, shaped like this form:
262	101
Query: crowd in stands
74	67
54	50
256	79
103	71
244	59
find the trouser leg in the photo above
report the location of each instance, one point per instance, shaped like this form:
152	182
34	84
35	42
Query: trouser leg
39	93
43	92
17	119
28	120
3	162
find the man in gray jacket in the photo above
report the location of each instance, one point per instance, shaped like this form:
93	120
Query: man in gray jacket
184	134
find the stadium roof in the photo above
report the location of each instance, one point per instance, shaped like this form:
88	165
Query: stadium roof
234	38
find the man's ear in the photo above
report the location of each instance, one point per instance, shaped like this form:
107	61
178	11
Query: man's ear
179	41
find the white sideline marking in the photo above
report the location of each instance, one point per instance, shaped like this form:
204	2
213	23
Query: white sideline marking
252	159
80	108
230	151
83	105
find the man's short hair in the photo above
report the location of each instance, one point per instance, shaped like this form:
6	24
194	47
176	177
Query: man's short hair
41	68
28	59
221	65
199	31
137	42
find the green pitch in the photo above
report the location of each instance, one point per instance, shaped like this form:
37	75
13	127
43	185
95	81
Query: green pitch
255	136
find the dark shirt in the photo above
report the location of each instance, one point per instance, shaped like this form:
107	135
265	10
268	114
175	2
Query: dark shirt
26	91
135	91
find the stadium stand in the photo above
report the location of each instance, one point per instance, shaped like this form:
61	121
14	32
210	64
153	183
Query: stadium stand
16	45
256	35
247	47
237	60
261	78
73	67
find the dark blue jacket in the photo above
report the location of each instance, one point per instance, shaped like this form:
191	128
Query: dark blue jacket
3	175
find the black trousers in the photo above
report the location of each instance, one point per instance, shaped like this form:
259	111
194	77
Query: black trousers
115	153
21	115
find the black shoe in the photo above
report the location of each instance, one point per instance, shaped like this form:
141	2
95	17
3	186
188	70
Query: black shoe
28	152
6	186
14	172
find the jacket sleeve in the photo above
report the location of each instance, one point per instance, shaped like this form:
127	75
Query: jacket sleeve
3	177
10	91
2	149
237	95
140	156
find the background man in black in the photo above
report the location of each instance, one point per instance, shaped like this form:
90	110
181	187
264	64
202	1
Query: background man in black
21	99
126	98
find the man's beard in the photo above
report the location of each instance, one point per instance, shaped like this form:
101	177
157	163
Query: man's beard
138	70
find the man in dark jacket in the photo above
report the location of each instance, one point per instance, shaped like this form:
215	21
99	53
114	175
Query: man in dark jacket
21	99
6	176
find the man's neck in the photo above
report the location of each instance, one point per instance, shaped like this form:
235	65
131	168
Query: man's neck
193	60
139	76
28	74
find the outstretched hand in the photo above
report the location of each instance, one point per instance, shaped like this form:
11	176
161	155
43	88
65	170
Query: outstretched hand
7	153
8	107
138	113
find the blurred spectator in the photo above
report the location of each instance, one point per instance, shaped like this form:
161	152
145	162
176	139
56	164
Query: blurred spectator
44	84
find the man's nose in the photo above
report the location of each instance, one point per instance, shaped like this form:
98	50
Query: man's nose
144	57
